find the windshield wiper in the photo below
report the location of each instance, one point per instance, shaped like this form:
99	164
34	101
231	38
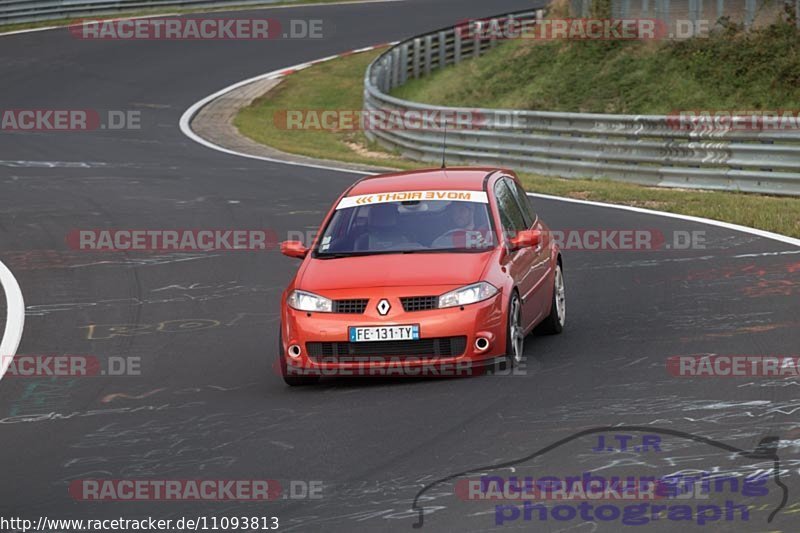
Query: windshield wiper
401	252
362	254
340	255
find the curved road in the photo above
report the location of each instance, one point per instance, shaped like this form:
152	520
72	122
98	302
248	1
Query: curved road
207	404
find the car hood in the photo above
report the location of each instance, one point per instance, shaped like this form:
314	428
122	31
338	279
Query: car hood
393	270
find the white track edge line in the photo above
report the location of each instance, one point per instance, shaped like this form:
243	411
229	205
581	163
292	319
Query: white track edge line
48	28
711	222
187	116
15	318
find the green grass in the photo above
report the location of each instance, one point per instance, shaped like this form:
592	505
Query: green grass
335	85
729	70
160	10
771	213
339	84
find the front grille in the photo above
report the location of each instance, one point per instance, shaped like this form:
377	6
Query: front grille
352	307
419	303
344	352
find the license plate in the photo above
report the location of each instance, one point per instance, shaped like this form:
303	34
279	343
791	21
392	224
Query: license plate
384	333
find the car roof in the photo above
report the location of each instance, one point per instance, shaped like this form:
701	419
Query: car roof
449	179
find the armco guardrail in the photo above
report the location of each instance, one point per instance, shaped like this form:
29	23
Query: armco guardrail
23	11
644	149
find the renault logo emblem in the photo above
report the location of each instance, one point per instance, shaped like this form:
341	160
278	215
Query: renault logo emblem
384	307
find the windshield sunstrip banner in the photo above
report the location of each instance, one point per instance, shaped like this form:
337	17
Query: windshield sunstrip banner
413	196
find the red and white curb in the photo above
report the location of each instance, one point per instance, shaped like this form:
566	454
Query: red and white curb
302	66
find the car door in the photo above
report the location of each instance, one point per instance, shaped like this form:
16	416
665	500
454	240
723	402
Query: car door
520	263
541	268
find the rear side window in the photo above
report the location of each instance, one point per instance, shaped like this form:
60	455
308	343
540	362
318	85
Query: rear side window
524	202
510	213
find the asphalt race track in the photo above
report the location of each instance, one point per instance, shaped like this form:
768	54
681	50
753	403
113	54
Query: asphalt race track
208	403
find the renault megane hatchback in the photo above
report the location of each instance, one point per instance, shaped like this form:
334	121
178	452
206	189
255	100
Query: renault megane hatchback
421	273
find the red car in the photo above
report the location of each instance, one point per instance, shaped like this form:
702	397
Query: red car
432	272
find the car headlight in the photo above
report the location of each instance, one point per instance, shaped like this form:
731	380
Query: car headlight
306	301
468	295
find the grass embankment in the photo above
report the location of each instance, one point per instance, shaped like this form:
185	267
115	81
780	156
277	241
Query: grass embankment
335	85
338	85
728	70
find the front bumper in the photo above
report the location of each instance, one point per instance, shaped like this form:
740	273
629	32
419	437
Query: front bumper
325	348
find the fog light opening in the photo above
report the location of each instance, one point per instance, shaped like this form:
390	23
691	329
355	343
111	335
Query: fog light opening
294	351
481	344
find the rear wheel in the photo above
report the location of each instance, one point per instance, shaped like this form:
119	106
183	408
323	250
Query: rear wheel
555	321
288	377
515	338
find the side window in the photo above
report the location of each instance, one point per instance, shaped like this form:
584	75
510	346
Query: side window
524	202
510	214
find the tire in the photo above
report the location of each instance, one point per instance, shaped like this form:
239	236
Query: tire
515	336
292	381
554	323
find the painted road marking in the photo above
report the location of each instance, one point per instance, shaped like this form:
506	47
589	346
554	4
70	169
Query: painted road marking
15	318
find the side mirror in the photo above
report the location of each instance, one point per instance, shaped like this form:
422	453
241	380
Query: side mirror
526	239
294	249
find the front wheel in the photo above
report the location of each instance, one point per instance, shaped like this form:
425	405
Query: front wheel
515	338
555	321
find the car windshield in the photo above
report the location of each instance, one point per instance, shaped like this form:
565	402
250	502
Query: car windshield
407	227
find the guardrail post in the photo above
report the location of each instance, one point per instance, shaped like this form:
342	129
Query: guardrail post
415	58
626	9
695	8
442	49
386	77
403	64
456	47
378	77
395	67
750	13
428	52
